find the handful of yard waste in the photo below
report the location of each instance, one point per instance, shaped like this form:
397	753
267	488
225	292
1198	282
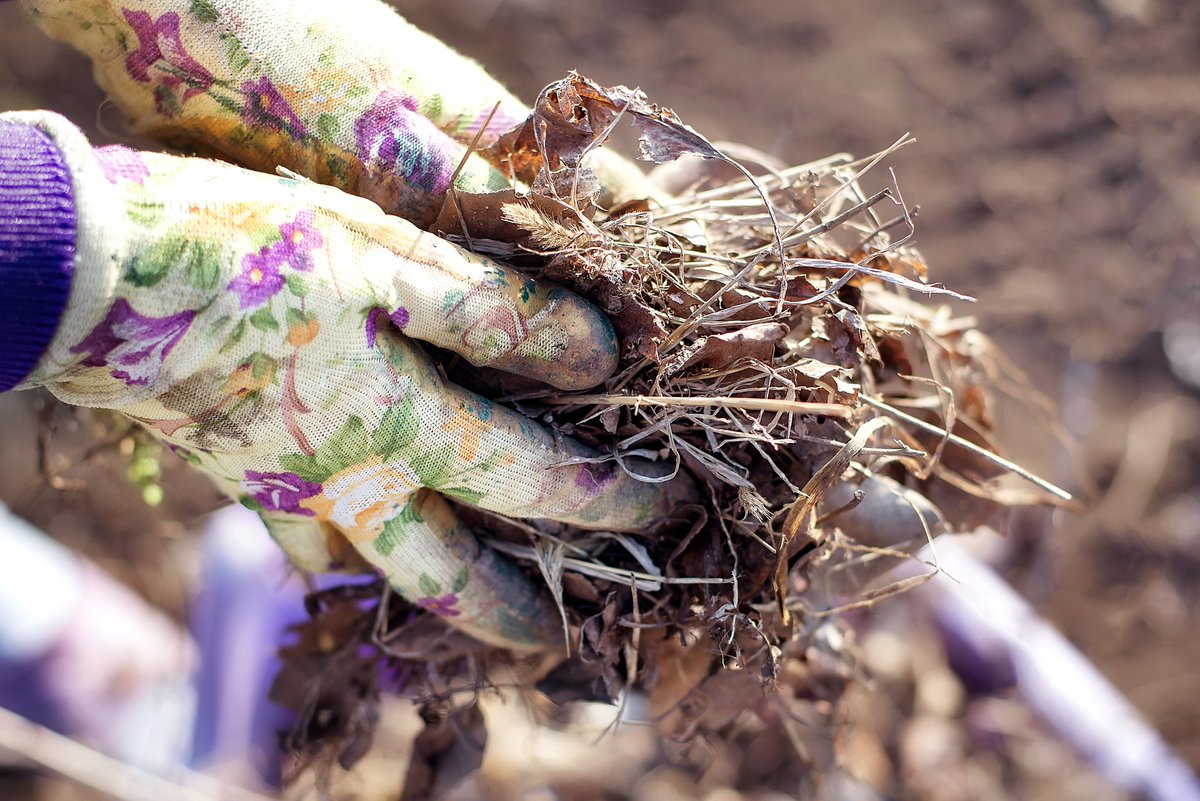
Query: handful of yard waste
774	351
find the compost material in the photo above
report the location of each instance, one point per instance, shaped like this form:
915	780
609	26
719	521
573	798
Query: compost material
783	349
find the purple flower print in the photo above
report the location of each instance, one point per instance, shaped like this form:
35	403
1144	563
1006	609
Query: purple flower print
133	345
392	137
299	239
399	319
160	57
120	163
592	479
444	606
266	107
279	492
260	277
372	321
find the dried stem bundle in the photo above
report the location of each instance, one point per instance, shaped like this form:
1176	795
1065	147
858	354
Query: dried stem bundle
774	352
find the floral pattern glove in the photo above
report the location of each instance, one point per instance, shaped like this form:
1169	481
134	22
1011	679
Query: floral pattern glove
263	327
347	94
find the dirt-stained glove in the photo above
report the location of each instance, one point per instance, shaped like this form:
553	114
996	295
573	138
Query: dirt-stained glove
263	327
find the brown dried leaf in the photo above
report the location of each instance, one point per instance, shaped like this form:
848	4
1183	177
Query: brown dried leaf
894	356
574	112
864	343
719	351
448	752
602	644
843	347
830	375
331	685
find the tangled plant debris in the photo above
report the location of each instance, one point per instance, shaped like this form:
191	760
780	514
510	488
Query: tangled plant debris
781	346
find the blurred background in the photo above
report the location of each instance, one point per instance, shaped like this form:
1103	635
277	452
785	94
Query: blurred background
1057	175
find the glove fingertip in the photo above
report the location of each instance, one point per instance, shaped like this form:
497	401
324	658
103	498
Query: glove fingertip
573	347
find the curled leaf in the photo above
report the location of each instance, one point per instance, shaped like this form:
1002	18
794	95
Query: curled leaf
573	113
719	351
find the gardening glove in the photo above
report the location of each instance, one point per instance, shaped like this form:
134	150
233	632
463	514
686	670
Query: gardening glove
263	328
347	94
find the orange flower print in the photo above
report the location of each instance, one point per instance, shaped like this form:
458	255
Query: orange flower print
361	498
471	421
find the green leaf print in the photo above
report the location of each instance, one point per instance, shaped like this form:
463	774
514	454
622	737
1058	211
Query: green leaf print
294	317
204	265
218	324
303	466
347	446
431	107
204	10
434	468
337	166
146	213
296	285
397	429
328	127
153	264
251	504
235	54
263	320
463	494
396	529
261	365
394	532
428	586
452	298
235	336
461	580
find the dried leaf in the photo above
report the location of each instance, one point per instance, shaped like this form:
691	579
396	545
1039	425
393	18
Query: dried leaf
860	337
602	644
843	348
571	114
331	685
447	753
550	563
719	351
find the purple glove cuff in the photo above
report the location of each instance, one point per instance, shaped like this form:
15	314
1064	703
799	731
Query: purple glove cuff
37	247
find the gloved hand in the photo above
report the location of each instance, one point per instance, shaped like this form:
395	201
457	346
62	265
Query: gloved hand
347	94
253	322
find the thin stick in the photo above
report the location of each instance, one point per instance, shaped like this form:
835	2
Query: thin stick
756	404
1013	467
452	190
72	760
878	157
647	581
706	197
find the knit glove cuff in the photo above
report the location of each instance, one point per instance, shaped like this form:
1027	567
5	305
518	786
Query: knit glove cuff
37	246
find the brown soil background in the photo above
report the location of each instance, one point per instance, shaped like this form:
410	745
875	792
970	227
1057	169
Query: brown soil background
1057	172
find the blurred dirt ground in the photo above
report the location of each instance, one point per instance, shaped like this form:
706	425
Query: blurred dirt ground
1057	172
